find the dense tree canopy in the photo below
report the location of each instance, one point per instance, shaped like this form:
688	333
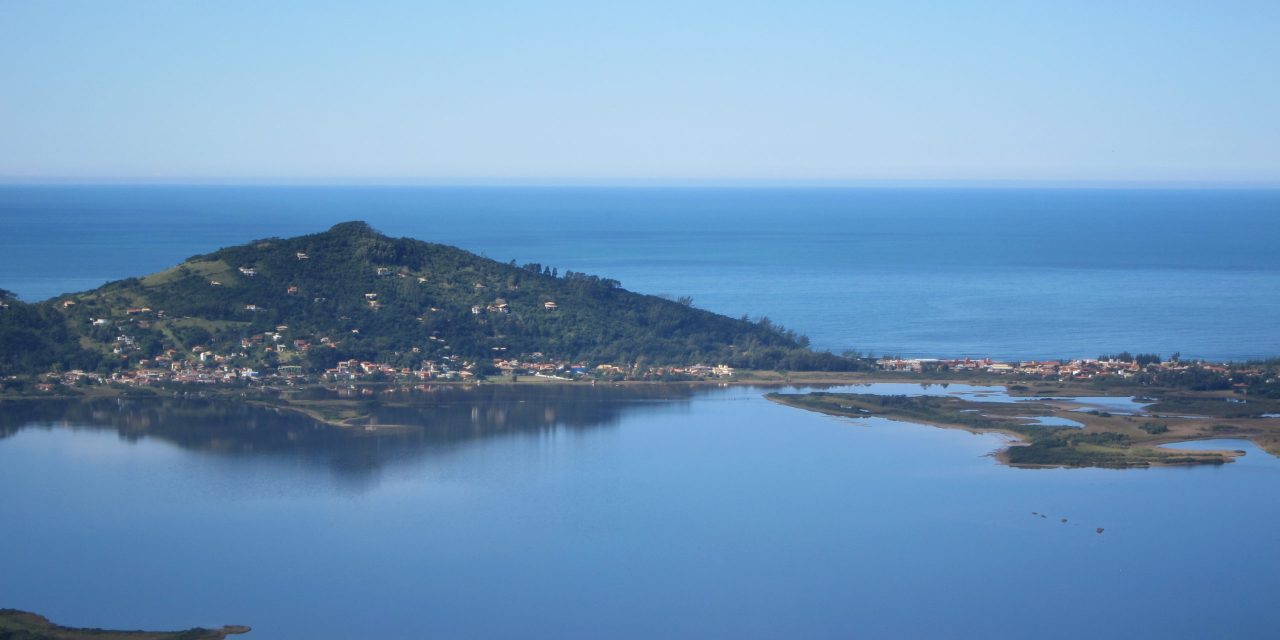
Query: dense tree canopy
365	295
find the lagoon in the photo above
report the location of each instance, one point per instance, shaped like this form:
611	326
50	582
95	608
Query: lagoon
556	511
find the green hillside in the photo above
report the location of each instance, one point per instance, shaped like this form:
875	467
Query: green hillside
351	292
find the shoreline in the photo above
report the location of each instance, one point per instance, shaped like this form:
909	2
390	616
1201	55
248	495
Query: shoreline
1186	421
1122	448
25	624
768	378
1016	439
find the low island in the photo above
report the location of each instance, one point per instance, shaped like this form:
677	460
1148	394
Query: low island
23	625
1061	431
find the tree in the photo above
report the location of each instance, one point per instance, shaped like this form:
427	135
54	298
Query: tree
324	300
193	336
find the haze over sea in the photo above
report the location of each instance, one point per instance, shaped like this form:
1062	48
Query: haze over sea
1006	273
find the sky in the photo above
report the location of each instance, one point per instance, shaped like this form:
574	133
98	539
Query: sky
1169	91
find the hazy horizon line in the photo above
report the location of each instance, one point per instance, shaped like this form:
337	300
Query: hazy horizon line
906	183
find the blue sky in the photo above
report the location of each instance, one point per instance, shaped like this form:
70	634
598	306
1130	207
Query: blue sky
597	91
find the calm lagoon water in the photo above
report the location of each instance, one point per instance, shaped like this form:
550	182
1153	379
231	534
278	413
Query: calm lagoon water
1115	404
1053	421
549	513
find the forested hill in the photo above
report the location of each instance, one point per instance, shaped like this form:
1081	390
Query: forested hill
352	292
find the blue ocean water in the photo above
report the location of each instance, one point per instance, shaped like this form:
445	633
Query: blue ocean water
1012	273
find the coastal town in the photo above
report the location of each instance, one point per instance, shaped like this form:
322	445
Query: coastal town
202	366
1118	367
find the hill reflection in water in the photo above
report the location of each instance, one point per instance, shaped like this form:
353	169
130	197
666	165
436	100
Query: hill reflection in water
434	421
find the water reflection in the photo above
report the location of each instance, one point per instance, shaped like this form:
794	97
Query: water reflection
434	419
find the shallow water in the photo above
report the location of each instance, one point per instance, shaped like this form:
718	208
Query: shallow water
1253	456
1054	421
1122	405
975	393
706	512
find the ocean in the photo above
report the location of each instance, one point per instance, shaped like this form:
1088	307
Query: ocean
1005	273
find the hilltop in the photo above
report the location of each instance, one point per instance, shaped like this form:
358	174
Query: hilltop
352	293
